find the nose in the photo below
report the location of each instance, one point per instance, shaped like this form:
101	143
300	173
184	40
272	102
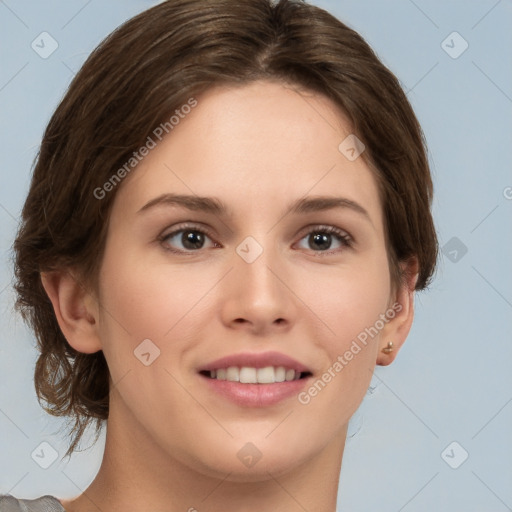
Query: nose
257	296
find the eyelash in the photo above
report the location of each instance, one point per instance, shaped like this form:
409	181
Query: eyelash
343	237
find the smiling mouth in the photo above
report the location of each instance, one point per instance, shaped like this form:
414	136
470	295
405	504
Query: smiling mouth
250	375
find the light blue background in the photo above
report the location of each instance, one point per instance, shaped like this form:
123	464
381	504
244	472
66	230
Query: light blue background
452	380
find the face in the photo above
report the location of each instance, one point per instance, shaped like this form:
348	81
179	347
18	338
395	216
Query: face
251	277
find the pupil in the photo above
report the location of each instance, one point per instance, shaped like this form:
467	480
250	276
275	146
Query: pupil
192	239
322	239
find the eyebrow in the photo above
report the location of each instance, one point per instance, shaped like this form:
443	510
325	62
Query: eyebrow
217	207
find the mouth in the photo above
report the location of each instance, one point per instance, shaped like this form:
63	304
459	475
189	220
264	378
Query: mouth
255	379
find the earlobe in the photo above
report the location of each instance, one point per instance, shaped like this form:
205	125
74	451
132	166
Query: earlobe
396	331
76	311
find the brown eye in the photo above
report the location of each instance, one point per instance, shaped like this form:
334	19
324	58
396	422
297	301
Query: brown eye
320	239
185	239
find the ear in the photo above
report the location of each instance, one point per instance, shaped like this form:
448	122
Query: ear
75	309
402	304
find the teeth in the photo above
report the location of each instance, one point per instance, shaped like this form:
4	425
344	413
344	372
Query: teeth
248	375
290	374
280	374
265	375
233	374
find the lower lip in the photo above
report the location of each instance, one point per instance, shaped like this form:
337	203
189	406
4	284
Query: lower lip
256	395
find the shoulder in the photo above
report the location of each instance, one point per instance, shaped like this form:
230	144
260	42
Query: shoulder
46	503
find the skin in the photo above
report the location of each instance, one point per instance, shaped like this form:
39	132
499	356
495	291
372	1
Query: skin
172	443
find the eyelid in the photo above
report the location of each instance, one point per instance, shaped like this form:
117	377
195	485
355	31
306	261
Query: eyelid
311	228
186	225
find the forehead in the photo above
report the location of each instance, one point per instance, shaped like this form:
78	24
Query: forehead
264	143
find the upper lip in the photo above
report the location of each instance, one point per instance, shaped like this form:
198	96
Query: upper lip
253	360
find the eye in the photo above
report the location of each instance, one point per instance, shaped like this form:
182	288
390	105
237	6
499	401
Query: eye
320	239
191	238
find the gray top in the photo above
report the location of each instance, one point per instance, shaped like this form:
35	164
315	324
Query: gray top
46	503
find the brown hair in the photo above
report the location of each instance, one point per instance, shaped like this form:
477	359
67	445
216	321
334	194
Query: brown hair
134	81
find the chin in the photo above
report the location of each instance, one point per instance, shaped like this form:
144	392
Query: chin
261	470
239	460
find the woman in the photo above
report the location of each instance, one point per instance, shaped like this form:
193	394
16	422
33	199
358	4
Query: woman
227	222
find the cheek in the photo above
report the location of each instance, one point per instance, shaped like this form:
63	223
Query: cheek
170	305
350	305
141	302
348	299
148	300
